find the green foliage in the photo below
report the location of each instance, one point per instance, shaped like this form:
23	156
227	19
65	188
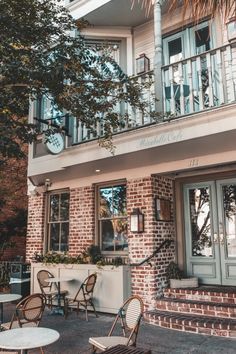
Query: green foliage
173	271
39	56
92	255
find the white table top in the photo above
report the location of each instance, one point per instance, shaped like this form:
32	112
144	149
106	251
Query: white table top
9	297
58	279
27	338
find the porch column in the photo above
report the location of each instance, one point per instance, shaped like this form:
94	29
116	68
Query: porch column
158	55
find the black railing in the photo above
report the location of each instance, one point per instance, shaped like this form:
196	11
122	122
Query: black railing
165	243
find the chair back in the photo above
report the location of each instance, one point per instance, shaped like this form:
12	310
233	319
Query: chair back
42	276
89	283
87	286
130	315
30	309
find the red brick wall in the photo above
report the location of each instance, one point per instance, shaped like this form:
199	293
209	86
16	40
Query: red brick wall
35	232
141	194
82	219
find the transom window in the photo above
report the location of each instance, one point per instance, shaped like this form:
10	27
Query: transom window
112	218
58	221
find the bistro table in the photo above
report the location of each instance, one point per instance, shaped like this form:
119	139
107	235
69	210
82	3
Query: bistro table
7	298
58	280
27	338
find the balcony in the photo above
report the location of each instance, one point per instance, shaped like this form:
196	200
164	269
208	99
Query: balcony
193	85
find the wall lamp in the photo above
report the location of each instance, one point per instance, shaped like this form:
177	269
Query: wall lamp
136	221
142	64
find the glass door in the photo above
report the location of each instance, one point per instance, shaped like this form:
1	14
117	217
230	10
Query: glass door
210	231
226	191
201	232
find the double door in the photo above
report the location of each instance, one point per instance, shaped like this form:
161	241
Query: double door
210	231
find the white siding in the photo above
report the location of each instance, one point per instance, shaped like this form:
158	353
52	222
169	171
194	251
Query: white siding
143	39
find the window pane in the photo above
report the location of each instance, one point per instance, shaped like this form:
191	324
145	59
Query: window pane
119	200
54	207
229	193
105	207
54	237
120	234
200	218
107	235
202	39
64	206
175	50
64	236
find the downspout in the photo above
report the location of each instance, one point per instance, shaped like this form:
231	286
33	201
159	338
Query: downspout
158	56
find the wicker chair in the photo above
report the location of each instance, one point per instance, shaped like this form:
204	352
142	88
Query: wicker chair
84	296
46	287
28	312
129	316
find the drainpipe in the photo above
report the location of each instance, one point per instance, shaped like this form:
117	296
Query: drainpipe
158	55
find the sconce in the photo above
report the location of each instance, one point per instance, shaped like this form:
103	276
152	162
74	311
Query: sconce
136	221
47	184
231	29
142	64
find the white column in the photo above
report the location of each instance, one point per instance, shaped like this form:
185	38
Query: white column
158	55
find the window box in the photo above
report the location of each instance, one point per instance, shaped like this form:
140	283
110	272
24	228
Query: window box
113	283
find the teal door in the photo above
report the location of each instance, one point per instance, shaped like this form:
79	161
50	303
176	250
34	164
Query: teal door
210	231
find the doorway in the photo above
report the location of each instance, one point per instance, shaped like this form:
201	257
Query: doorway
210	231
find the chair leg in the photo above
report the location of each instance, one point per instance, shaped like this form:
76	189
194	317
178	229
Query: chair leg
92	304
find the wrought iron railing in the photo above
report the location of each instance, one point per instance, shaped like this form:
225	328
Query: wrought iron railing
166	243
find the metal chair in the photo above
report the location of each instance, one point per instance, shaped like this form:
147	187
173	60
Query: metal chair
46	287
28	312
84	296
129	316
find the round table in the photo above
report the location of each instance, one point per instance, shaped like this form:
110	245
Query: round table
58	280
7	298
27	338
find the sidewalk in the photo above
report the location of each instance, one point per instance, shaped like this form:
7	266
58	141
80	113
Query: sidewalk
75	331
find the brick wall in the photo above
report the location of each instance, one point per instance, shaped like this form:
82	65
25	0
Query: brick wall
141	193
35	232
82	219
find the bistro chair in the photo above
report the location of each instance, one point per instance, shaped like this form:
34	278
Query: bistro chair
84	296
28	312
47	287
129	317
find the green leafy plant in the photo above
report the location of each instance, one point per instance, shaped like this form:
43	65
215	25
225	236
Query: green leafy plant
92	255
173	271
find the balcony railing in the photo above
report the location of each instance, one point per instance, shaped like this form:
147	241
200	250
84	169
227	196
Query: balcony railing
192	85
201	82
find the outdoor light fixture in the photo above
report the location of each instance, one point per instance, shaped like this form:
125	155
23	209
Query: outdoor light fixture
142	64
136	221
231	29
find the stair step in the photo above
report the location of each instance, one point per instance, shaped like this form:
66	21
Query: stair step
224	310
193	323
225	295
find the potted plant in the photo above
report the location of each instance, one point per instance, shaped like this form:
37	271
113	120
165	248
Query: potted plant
177	279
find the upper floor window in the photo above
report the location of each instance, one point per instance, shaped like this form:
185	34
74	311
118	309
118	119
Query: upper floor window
112	218
58	221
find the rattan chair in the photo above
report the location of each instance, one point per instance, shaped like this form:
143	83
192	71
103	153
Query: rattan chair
84	296
47	287
28	312
129	317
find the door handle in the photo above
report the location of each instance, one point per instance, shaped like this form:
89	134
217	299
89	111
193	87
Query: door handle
215	237
222	238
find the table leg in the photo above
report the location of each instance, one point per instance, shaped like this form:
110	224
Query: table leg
1	312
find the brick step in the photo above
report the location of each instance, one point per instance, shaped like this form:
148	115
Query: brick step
206	308
225	295
207	325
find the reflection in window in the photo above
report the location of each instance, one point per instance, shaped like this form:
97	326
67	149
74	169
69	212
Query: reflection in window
58	222
229	198
112	218
200	219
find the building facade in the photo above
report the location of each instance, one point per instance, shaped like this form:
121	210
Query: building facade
180	172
